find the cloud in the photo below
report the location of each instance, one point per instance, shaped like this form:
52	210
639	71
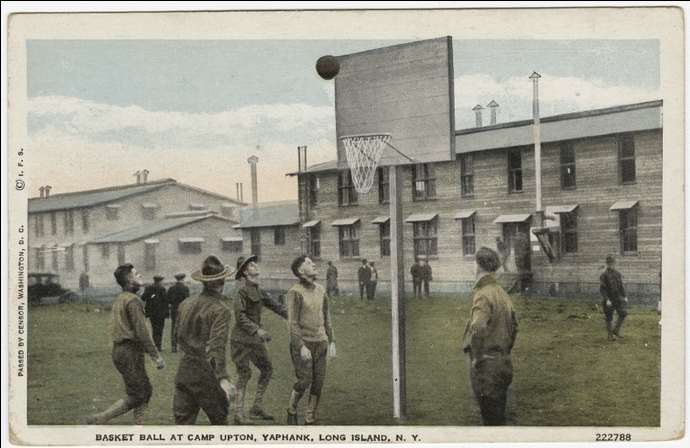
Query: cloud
557	95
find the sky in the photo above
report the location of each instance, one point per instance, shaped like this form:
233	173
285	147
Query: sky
195	111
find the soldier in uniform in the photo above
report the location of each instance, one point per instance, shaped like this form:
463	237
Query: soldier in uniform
426	276
489	339
156	301
416	271
311	338
131	341
202	333
613	298
176	294
248	339
363	276
332	280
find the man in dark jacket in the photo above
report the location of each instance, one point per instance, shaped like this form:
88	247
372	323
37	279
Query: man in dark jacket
426	276
332	280
176	294
613	298
248	340
363	276
416	271
156	301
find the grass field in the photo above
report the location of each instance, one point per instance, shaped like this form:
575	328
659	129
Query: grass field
565	371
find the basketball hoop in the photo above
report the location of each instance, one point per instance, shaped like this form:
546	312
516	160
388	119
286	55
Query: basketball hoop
363	154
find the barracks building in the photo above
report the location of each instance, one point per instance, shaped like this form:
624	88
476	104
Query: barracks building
601	193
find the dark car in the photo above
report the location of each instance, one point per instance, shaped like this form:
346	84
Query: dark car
46	285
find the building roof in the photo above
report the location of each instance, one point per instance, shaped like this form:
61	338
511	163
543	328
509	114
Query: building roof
590	123
286	214
147	230
331	165
92	198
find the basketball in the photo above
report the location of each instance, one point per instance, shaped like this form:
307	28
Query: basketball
327	67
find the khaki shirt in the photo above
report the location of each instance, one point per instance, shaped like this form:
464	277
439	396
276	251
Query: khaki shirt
308	315
129	323
203	324
493	324
249	301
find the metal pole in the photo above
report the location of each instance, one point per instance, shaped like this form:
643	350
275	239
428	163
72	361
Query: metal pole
397	299
537	144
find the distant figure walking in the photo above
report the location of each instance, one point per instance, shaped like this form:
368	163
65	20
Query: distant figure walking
613	298
176	295
131	341
416	271
83	282
157	310
426	276
363	276
373	281
503	253
332	280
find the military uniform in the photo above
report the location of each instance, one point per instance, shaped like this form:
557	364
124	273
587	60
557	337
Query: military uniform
489	339
612	289
247	346
416	271
202	332
176	294
332	281
425	277
156	310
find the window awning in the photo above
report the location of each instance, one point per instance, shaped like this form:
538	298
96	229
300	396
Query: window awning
464	214
623	205
521	217
381	219
345	222
149	205
151	241
191	240
310	224
562	208
232	239
421	217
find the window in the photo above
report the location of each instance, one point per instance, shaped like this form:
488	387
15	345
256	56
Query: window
628	230
347	195
314	235
231	244
384	186
569	232
120	254
148	211
467	175
85	257
112	212
313	190
385	234
349	241
85	221
567	165
626	159
279	236
40	230
40	258
423	182
69	222
514	170
468	236
190	245
105	251
256	242
53	223
425	238
69	257
150	256
54	252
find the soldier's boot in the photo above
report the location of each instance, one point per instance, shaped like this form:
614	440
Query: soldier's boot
609	329
140	414
292	408
118	408
310	417
619	323
257	411
239	407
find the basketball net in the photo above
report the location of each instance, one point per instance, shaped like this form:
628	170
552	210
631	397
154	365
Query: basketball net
363	154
